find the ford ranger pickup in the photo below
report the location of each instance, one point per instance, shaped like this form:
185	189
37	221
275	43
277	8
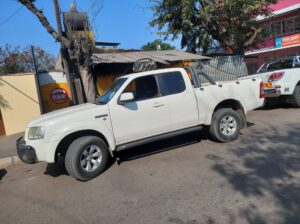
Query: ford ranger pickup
137	109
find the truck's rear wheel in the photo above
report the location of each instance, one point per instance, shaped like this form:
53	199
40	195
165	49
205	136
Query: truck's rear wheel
296	97
86	158
225	125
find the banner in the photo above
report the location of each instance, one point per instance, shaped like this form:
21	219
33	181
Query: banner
287	41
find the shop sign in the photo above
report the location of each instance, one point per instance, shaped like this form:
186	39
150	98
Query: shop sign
59	96
287	41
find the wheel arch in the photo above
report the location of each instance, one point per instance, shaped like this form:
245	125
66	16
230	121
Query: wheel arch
65	142
236	106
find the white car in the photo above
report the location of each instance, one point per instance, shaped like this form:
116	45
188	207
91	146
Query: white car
137	109
282	79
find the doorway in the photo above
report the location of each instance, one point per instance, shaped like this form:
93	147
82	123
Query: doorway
2	129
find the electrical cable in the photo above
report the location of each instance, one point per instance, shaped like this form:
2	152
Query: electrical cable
11	16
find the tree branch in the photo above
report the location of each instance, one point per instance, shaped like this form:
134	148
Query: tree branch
253	37
44	21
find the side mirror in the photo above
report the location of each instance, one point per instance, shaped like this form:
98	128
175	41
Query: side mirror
126	97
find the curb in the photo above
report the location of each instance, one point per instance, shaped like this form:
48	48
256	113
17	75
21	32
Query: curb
9	161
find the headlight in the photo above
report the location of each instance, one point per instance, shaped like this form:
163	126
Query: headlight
35	133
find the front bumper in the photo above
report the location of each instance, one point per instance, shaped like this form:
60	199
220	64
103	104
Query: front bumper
25	152
272	93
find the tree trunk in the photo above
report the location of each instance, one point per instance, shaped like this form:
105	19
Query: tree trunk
88	84
237	50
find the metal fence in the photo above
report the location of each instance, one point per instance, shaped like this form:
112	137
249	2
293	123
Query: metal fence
222	68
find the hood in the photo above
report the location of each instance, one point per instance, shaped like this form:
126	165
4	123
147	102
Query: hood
78	112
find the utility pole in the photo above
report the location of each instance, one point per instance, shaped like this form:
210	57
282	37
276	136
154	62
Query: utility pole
37	82
64	54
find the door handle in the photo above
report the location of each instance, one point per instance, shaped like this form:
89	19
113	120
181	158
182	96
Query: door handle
158	104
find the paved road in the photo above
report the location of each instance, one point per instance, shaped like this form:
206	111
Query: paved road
255	179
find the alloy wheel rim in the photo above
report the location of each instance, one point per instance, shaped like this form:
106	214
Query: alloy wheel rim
90	158
228	125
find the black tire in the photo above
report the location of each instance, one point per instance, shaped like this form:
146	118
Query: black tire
77	153
265	104
217	131
296	97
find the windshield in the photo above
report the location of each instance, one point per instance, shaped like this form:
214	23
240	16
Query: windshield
111	91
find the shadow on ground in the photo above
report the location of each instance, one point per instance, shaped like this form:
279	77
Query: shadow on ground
3	172
265	164
162	146
276	104
58	169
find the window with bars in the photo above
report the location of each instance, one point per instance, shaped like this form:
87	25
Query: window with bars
279	28
276	29
288	26
297	23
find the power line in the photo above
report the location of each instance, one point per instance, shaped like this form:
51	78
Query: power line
11	16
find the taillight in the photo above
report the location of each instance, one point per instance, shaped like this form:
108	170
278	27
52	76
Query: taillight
275	76
261	91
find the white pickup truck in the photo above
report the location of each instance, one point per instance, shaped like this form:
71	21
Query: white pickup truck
137	109
282	79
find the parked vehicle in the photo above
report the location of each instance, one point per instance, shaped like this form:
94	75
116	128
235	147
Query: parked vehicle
282	79
137	109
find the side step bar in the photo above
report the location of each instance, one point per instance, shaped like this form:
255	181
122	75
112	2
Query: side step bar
157	138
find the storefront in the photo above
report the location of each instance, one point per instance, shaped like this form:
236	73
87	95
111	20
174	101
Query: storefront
281	36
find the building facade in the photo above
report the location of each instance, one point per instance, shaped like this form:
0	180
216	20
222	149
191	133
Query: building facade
281	36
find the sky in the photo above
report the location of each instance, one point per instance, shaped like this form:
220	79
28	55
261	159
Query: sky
122	21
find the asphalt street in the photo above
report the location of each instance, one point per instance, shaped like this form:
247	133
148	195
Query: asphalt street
184	180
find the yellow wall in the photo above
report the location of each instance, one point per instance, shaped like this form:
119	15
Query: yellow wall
103	82
18	101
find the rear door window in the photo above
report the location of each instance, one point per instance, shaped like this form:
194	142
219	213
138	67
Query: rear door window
171	83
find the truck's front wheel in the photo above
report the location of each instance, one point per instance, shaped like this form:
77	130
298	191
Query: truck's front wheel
225	125
86	158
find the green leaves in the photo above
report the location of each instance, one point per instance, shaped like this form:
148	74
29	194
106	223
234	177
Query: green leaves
157	45
200	23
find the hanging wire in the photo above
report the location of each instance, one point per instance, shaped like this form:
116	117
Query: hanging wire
11	16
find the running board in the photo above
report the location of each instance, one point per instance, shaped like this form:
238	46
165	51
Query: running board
157	138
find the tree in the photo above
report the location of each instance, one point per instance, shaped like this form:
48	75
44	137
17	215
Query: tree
16	60
157	45
233	23
81	52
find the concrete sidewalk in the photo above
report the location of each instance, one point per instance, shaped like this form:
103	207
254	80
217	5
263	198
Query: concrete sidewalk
8	152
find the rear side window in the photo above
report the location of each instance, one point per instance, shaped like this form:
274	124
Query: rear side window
274	66
171	83
287	63
284	64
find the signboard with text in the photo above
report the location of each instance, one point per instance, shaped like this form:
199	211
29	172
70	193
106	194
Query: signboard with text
287	41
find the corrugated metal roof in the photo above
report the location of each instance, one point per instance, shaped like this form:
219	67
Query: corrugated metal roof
163	57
